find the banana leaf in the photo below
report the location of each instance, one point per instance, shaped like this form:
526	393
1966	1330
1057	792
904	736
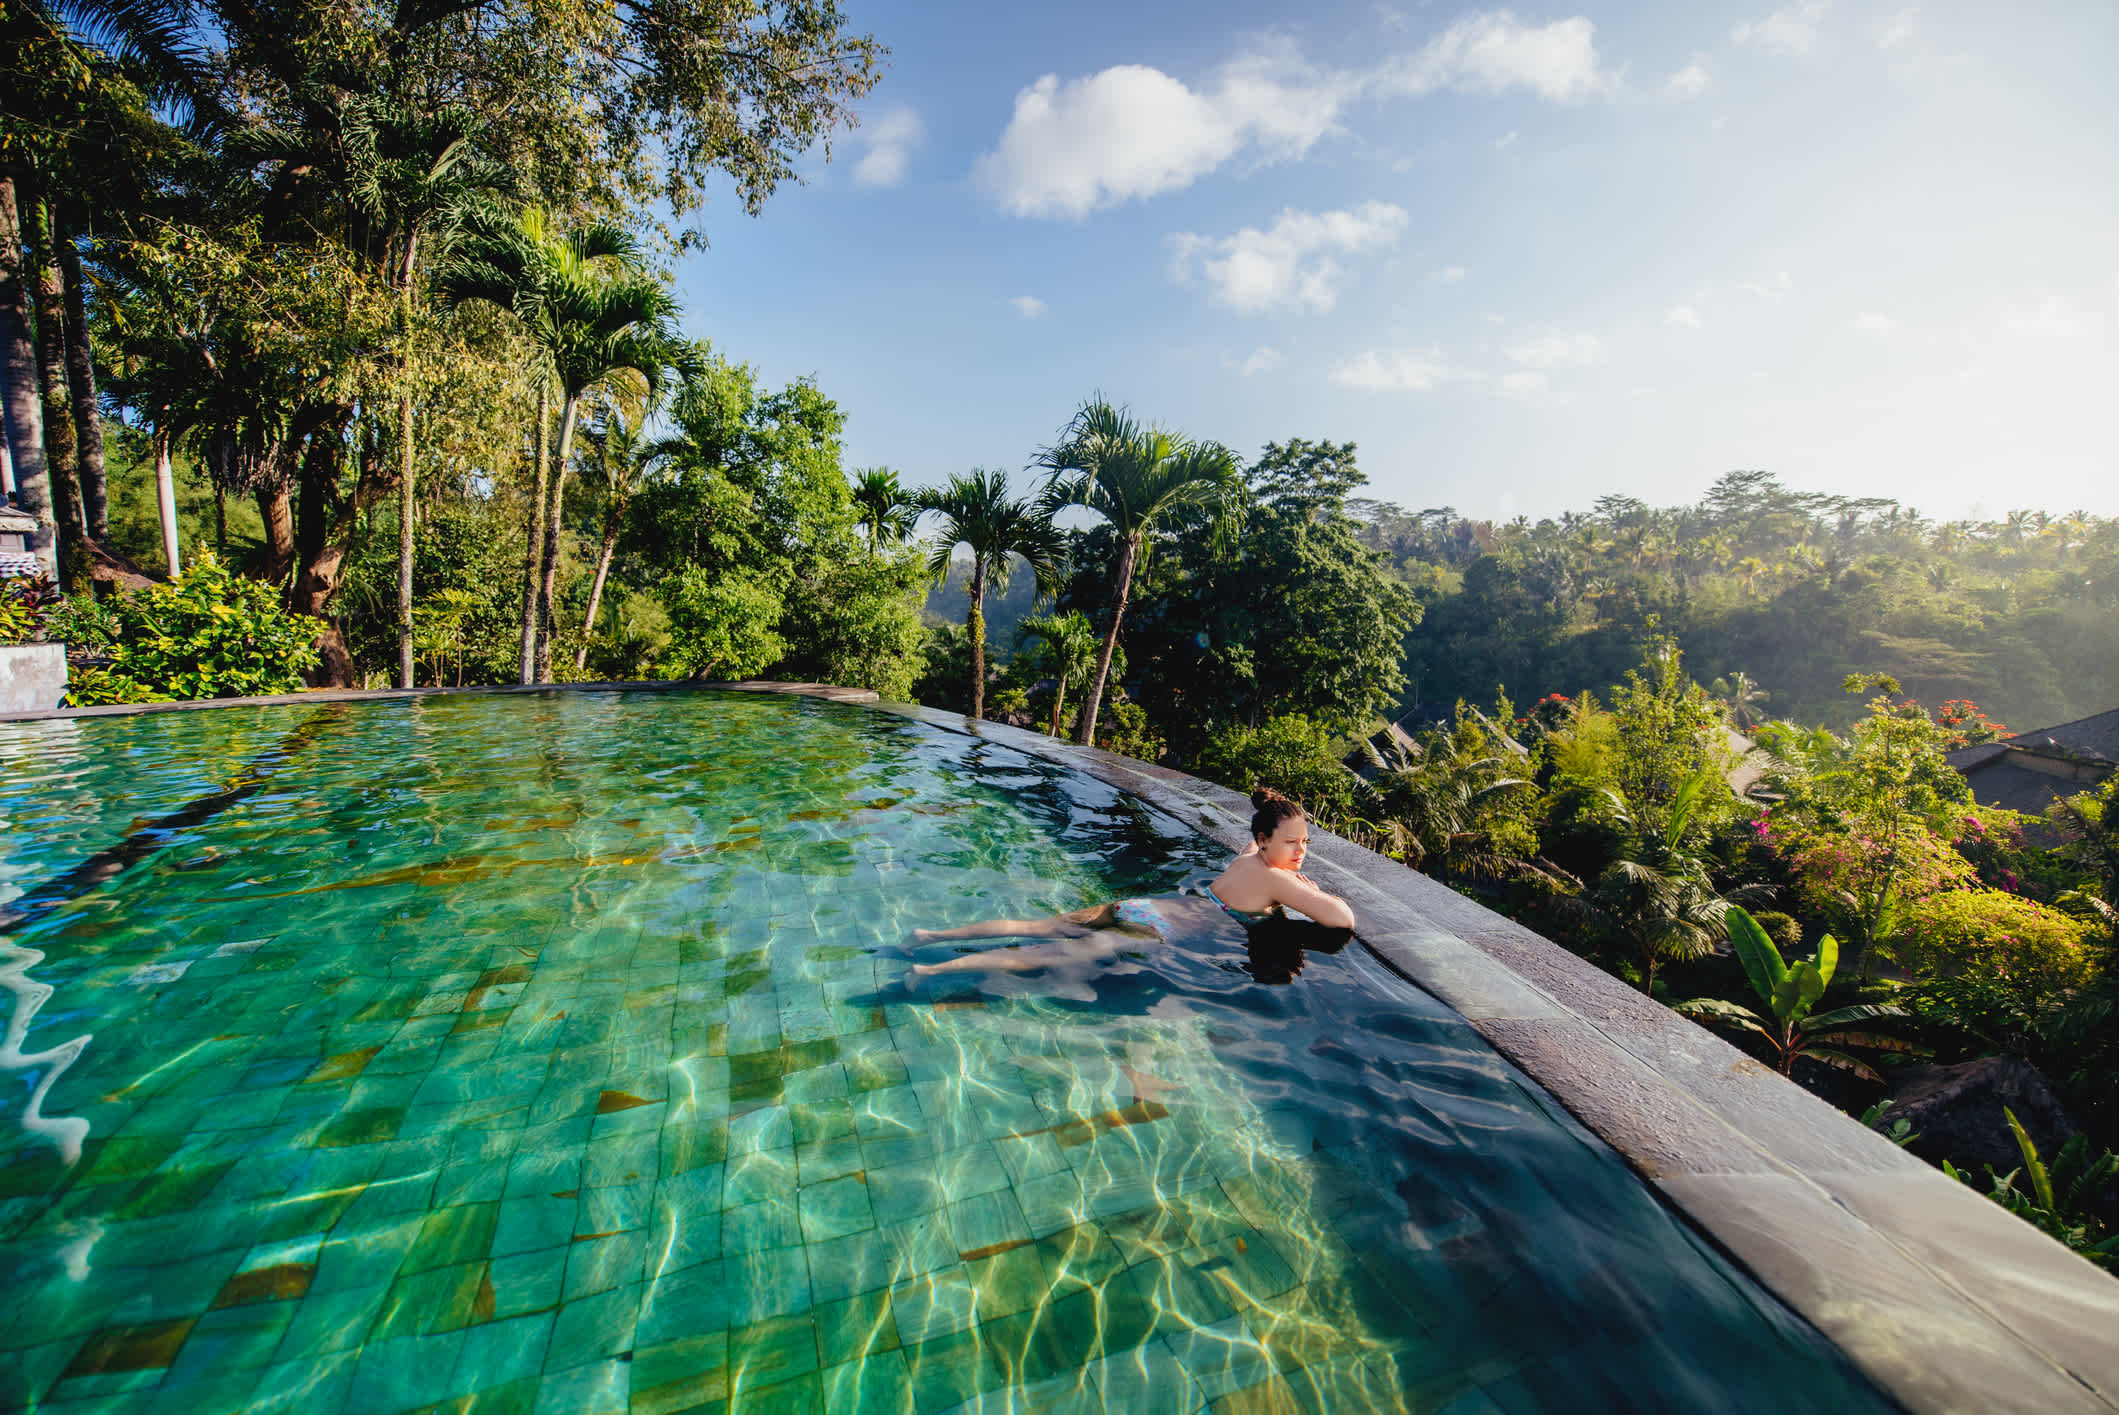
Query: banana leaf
1754	948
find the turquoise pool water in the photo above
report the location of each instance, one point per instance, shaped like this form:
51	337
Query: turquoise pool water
543	1053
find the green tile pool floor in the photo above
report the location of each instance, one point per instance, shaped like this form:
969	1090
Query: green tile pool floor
536	1054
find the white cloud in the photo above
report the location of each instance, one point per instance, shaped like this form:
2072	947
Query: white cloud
1688	82
1288	266
1873	323
1792	32
890	139
1521	383
1774	289
1495	52
1262	358
1896	28
1506	140
1402	371
1132	131
1682	317
1552	350
1028	306
2055	319
1447	275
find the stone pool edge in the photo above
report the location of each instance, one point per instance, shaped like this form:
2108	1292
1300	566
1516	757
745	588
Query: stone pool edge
1940	1297
1945	1300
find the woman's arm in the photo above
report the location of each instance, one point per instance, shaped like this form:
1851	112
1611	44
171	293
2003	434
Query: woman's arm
1294	891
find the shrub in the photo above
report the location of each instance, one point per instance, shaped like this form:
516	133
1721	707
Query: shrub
1291	754
208	634
722	626
2004	936
26	607
94	687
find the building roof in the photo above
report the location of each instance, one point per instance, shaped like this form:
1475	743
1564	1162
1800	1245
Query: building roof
2030	770
2086	736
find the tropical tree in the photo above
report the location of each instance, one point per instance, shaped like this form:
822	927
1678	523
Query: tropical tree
1789	992
593	313
1741	694
1653	902
977	512
1134	476
1067	645
622	456
884	508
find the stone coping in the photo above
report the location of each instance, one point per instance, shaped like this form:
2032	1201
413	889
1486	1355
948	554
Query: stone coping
1940	1296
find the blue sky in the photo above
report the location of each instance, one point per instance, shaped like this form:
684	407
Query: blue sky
1521	258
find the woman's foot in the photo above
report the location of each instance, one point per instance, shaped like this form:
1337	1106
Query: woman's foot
925	935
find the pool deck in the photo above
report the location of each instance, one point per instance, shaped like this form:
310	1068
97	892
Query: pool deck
1941	1297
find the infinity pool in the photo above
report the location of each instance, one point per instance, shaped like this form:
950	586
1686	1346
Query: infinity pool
550	1053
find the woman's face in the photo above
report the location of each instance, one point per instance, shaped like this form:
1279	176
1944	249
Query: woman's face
1286	847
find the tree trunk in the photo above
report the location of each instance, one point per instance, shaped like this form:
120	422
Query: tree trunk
1128	553
536	544
325	529
404	537
60	450
1059	702
81	381
603	570
975	629
23	411
276	506
166	501
220	520
569	409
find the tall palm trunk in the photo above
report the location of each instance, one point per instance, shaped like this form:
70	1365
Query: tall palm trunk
405	513
166	501
611	526
975	629
536	543
407	505
569	411
60	450
1128	554
23	411
1059	703
81	380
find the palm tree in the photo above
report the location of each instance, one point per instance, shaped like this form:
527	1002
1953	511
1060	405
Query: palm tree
883	508
977	511
1741	694
593	313
1133	476
1069	643
620	451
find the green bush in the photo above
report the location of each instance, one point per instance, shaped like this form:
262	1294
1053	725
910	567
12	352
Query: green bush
94	687
209	634
1291	754
26	607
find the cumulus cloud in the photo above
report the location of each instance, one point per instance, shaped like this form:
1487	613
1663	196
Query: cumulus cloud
1028	306
1262	358
1447	275
1495	52
890	140
1521	383
1290	265
1682	317
1873	323
1555	349
1131	131
1895	28
1791	32
1399	371
1505	141
1688	82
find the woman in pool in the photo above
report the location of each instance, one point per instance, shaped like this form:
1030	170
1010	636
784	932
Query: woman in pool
1261	883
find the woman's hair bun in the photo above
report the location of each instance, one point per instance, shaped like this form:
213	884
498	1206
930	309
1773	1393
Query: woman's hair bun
1264	796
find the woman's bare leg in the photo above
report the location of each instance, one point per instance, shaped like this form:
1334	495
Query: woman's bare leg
1085	947
1069	925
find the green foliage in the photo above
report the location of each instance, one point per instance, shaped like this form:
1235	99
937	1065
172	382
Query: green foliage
97	687
855	621
26	608
721	626
2059	1199
1291	754
1899	1132
209	634
1126	730
2035	949
1789	992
